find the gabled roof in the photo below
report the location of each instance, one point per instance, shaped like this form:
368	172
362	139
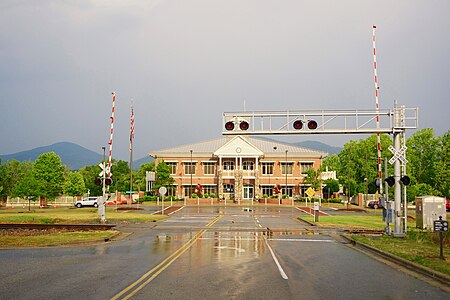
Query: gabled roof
238	146
210	147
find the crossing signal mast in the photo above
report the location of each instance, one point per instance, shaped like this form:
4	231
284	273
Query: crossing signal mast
393	121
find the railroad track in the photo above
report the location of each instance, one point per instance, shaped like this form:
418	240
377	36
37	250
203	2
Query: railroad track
69	227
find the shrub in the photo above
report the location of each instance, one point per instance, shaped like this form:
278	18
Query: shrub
205	195
212	195
194	195
265	196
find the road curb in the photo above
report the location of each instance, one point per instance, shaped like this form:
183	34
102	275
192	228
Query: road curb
435	275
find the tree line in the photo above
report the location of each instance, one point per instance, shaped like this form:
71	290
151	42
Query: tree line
47	177
356	168
428	164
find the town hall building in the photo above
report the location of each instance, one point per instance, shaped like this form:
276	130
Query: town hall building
239	167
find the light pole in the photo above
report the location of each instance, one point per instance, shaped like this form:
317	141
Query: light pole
190	171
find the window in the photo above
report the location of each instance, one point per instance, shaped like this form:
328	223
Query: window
267	168
172	167
267	190
208	168
209	189
228	188
305	166
287	191
189	168
228	165
286	168
188	191
248	165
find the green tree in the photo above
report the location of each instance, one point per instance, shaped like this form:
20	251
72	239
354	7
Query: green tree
89	174
27	188
163	177
139	180
74	185
121	176
332	162
422	155
313	179
10	174
443	166
331	186
48	171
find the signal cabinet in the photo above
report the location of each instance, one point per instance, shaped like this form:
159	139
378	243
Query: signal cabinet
429	209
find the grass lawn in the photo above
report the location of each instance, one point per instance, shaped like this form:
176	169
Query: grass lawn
53	238
74	216
366	221
64	216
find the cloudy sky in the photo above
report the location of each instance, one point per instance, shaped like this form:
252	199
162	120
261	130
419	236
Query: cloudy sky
185	62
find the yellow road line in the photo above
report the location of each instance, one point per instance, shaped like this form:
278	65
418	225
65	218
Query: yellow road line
163	265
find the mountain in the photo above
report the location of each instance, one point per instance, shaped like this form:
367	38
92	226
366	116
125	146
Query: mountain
72	155
319	146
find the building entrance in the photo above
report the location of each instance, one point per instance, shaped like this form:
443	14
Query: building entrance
248	192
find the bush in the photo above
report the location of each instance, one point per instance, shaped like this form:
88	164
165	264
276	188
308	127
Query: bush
265	196
212	195
205	195
148	198
194	195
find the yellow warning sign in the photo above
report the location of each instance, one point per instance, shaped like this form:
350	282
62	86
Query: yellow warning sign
310	192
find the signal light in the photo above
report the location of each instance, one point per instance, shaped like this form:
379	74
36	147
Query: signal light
108	181
229	125
405	180
98	181
390	180
312	124
244	125
298	124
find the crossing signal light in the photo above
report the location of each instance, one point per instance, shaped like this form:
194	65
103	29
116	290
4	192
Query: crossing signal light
312	124
229	125
243	125
98	181
298	125
390	181
405	180
108	181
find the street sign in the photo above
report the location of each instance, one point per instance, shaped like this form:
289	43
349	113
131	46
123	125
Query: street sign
104	170
400	155
440	225
310	192
162	190
150	176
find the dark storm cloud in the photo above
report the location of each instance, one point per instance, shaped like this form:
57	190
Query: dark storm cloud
186	62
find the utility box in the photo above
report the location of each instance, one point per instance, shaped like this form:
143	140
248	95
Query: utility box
428	209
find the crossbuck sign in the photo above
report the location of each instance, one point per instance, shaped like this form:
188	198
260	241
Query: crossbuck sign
104	170
400	155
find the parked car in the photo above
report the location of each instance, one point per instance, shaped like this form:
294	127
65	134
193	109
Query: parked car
374	204
447	204
89	201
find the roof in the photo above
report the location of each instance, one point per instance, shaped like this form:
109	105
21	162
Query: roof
209	147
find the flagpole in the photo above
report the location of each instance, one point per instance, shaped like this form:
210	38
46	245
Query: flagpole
131	150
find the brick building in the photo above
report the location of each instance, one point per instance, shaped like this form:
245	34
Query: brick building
238	167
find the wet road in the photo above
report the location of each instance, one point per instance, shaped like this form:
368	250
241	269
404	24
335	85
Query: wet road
210	253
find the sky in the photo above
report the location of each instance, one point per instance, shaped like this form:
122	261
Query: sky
185	62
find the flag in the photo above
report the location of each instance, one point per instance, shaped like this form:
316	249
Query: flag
131	126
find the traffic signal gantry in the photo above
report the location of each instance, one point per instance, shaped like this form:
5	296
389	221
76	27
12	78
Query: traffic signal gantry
390	121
